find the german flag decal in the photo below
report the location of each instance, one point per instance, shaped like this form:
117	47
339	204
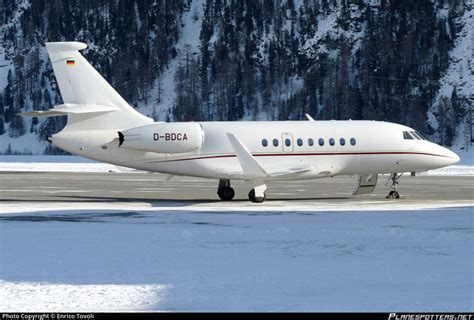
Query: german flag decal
70	62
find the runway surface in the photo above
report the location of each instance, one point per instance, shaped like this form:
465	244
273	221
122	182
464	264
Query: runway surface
137	242
132	187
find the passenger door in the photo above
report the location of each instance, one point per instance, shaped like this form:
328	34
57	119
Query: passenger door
287	142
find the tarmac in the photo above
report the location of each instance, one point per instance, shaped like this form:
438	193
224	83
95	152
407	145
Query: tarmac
30	187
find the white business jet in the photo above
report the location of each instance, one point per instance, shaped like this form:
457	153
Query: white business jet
102	126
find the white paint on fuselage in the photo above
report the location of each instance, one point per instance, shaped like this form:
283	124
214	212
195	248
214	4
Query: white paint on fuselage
379	148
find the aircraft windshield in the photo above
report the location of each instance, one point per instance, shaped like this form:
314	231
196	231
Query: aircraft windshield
407	135
420	135
417	137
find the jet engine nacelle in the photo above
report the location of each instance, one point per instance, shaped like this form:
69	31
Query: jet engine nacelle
164	137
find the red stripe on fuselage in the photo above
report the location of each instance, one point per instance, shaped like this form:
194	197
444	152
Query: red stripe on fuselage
310	154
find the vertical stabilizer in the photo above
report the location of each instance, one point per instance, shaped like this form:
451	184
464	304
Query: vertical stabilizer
81	84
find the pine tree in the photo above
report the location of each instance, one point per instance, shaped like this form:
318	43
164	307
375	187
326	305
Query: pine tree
459	109
444	115
9	150
17	127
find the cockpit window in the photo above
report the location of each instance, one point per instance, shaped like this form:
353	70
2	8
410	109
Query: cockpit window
420	135
417	137
407	135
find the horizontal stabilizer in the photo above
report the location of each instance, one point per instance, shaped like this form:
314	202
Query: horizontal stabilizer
69	108
66	46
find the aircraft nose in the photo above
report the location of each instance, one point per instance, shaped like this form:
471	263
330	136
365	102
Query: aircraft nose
445	156
455	157
451	157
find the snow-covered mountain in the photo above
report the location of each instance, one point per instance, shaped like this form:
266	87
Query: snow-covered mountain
404	61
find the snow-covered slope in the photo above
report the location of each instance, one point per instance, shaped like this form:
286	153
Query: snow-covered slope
163	96
459	76
249	60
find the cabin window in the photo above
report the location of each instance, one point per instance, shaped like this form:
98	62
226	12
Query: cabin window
287	142
332	141
275	142
342	142
353	141
407	135
299	142
264	142
310	142
321	142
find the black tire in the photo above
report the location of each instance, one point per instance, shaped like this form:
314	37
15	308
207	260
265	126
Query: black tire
255	199
226	193
393	195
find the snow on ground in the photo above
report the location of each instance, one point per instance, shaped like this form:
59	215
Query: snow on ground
56	164
451	171
274	206
60	167
43	159
178	260
41	296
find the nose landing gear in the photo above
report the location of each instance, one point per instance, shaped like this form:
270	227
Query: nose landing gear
393	182
393	195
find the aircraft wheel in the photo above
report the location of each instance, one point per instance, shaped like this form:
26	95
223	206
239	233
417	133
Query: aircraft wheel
226	193
255	199
393	195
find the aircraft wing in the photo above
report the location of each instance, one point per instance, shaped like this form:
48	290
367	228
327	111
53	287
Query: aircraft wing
282	170
276	171
253	169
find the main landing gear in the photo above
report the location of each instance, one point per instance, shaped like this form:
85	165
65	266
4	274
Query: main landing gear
254	198
227	193
393	182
